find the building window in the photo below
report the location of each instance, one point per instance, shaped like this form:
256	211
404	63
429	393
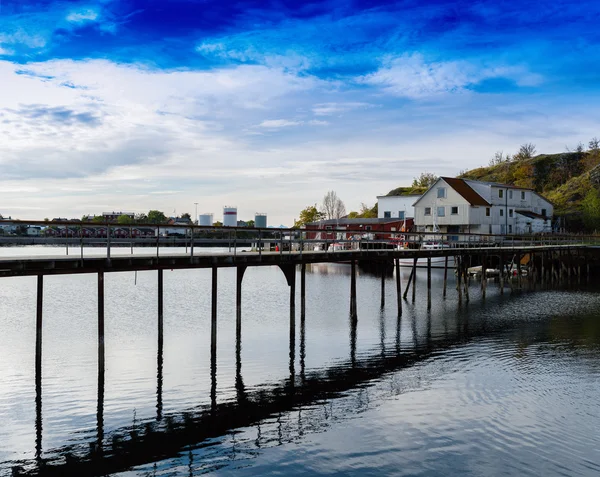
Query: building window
441	193
500	193
387	214
454	211
328	227
401	215
509	229
427	210
544	212
522	195
510	212
501	212
488	212
510	194
368	228
441	211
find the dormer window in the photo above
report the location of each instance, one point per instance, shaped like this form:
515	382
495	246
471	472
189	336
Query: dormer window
441	193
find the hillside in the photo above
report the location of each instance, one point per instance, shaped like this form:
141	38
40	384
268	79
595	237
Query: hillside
564	179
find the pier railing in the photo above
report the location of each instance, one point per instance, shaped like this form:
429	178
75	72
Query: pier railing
253	239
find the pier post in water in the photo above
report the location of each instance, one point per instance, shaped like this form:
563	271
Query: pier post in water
445	275
213	316
501	267
398	286
38	367
303	289
428	282
160	306
101	319
383	265
410	279
353	312
483	275
238	299
414	283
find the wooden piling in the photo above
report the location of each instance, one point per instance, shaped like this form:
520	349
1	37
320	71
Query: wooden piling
414	283
519	269
353	289
459	265
160	306
383	265
466	280
101	319
38	367
428	282
303	289
445	275
238	299
410	279
483	276
213	316
398	286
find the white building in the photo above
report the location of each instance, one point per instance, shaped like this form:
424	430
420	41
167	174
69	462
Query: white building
466	206
396	206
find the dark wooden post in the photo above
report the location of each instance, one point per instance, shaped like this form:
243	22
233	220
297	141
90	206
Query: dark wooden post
160	306
38	367
101	318
428	282
445	275
459	269
519	269
414	283
213	315
238	299
383	265
353	311
483	275
466	279
303	290
398	286
410	279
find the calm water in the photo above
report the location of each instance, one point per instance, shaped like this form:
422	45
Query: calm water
509	385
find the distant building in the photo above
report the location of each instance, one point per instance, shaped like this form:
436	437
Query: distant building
396	206
335	229
113	216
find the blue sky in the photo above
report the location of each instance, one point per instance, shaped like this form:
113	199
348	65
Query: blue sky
134	105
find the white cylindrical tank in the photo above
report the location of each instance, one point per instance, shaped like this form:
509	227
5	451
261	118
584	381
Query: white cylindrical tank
260	220
205	219
230	216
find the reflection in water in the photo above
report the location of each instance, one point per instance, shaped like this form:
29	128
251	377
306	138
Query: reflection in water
38	412
269	410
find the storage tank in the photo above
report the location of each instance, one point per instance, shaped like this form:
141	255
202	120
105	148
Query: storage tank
230	216
260	220
205	219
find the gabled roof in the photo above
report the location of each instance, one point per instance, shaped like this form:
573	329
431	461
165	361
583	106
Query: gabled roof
464	189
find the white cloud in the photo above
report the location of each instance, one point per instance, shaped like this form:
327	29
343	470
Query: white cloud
329	109
412	77
279	123
82	16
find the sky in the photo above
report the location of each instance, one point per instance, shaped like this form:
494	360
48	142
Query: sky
267	105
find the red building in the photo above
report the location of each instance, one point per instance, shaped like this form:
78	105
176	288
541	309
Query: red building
348	229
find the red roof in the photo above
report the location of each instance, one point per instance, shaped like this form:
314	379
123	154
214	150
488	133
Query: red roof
466	191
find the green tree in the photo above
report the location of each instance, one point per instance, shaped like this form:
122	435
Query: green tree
526	151
367	212
124	220
186	215
218	224
591	210
307	215
141	218
157	217
98	219
250	223
425	179
353	215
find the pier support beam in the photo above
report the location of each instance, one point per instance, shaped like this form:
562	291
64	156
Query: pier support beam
353	312
414	283
383	265
238	299
445	275
213	342
398	287
428	282
302	291
38	367
502	271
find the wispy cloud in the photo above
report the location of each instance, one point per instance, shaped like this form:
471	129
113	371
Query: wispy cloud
82	16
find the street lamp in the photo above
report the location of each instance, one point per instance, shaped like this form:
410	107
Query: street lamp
196	216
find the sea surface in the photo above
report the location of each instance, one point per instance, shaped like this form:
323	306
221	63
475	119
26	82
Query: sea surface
506	385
